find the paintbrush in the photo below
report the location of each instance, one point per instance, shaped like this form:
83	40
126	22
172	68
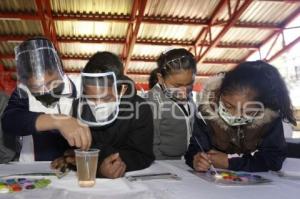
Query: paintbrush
211	165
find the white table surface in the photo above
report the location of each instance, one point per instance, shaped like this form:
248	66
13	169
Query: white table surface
190	186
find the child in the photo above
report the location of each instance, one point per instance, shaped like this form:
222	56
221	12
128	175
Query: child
7	146
242	113
38	110
172	104
120	121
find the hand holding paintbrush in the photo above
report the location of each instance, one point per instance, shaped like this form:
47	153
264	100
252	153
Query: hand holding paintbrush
206	157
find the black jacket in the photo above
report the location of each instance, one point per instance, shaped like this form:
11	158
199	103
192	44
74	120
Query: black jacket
17	120
261	142
132	138
270	154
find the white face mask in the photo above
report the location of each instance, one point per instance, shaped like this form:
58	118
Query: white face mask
178	94
233	120
102	111
105	91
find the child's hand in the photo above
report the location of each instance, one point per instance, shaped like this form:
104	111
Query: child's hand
76	133
201	162
113	166
65	162
218	159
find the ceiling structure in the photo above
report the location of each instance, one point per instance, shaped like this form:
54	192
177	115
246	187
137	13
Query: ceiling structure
220	33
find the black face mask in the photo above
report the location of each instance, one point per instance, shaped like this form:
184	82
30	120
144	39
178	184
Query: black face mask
52	97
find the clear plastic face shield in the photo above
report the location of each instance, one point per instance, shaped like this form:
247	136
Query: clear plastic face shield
39	67
99	102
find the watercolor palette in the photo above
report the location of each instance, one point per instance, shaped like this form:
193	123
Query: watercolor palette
226	177
11	185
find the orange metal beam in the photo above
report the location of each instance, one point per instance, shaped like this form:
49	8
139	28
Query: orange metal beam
231	22
293	16
143	59
126	19
90	17
129	31
133	31
220	7
98	40
44	12
19	16
284	49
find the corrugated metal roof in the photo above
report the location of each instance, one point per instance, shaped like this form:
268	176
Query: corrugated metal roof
139	78
92	6
9	63
8	47
181	8
74	65
74	49
246	35
141	67
18	27
263	12
17	6
209	69
173	32
215	30
150	51
199	48
269	12
91	29
223	15
227	54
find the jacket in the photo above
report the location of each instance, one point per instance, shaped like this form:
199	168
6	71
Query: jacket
130	135
172	127
7	153
18	120
261	143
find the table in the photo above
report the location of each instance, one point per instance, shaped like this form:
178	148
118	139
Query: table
189	187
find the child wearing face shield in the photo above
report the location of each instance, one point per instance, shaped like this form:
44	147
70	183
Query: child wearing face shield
39	109
172	104
241	126
121	122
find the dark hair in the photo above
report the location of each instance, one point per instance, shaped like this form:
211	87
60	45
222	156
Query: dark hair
153	78
102	62
267	83
176	60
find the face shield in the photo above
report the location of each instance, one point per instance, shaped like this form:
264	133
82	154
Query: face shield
99	101
39	68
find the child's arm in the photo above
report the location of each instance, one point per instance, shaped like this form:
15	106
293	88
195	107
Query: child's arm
200	132
17	119
270	155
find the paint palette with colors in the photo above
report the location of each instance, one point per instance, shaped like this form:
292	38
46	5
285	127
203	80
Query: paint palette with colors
10	185
226	177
